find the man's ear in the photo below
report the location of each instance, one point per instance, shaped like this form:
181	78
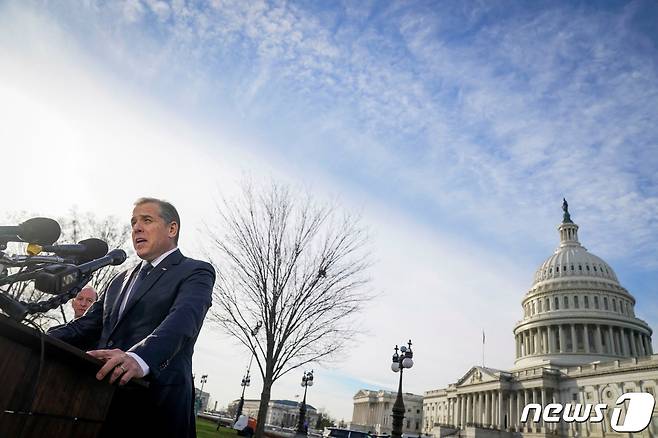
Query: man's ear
173	230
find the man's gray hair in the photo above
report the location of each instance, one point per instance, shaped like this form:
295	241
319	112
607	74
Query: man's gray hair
91	288
168	212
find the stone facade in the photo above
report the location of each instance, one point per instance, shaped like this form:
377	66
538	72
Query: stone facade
494	399
201	399
373	412
578	342
282	413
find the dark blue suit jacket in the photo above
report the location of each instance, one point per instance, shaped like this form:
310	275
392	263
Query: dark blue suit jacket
160	323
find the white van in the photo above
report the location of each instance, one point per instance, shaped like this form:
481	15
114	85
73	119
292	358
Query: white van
337	432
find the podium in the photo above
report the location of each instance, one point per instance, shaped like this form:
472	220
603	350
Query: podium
49	389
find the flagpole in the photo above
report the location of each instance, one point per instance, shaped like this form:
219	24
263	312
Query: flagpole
483	338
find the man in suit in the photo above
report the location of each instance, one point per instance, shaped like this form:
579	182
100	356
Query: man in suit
83	300
148	319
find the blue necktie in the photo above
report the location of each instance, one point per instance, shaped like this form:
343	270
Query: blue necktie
141	276
140	279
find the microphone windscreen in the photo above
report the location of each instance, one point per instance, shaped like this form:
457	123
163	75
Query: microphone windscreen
118	256
40	230
94	249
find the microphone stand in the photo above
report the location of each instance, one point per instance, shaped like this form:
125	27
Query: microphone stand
18	310
15	309
57	300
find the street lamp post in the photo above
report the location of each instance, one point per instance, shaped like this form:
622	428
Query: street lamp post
400	362
307	380
246	380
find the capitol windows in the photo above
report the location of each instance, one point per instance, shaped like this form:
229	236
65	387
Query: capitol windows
539	306
534	309
596	302
586	301
548	304
576	305
614	305
580	267
605	303
566	302
557	303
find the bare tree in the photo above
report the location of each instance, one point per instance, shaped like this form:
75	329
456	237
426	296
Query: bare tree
294	265
75	226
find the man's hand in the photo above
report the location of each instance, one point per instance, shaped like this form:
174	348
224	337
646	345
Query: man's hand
117	364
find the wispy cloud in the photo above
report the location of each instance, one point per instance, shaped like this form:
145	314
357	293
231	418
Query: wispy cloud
470	108
463	123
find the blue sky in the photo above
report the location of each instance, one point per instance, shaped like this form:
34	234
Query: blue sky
447	104
457	124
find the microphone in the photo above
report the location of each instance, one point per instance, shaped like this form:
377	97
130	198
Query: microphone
83	251
57	279
32	270
40	230
15	309
114	257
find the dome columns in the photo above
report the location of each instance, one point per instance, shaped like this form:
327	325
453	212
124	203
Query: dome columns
582	338
568	234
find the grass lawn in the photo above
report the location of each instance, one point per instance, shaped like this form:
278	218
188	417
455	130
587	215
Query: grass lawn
206	429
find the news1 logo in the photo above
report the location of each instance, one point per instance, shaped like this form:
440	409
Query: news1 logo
638	412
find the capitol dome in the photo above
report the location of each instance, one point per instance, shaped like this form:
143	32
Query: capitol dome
576	312
571	259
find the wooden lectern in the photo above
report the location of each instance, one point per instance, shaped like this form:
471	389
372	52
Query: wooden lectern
48	389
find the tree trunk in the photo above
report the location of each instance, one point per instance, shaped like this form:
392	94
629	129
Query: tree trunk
264	402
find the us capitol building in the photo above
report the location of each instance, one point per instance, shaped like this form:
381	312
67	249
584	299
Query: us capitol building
579	342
